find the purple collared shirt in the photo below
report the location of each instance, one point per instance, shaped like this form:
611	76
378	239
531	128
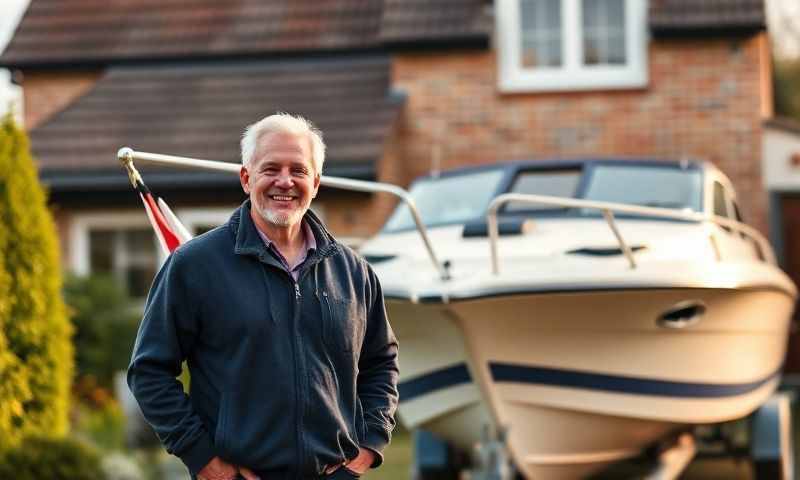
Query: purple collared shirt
309	244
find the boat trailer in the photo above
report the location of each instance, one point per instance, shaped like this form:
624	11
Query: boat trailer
770	451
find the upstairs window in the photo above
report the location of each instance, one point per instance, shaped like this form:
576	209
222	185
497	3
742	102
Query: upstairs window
551	45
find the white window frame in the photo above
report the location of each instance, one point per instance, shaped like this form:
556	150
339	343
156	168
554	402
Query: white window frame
573	74
192	217
83	223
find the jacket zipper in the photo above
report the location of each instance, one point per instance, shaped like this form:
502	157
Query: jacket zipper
327	327
298	381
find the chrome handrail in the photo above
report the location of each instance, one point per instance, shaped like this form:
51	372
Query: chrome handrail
607	208
126	156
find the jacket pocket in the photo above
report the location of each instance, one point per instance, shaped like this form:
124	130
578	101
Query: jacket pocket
343	324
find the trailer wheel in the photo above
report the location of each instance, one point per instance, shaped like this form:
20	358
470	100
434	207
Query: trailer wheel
771	446
434	459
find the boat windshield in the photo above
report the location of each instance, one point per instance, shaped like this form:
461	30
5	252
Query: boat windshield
448	200
650	186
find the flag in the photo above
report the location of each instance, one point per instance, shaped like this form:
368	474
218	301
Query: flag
169	230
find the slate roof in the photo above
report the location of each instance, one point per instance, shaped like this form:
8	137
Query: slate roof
200	111
102	31
70	32
709	16
415	21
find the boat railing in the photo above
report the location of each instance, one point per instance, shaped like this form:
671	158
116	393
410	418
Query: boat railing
127	155
608	209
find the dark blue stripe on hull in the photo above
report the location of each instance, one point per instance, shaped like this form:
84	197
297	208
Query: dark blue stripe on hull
504	372
437	380
511	373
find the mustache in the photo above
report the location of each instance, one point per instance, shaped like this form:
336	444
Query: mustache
284	192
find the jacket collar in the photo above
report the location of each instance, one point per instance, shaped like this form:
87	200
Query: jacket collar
249	242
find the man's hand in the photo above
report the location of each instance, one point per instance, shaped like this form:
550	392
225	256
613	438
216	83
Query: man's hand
362	462
219	469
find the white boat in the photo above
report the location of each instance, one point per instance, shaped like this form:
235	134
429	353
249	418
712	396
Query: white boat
622	301
615	303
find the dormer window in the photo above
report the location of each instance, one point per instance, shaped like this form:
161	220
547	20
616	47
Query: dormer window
552	45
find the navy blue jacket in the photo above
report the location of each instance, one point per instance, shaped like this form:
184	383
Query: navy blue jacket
285	376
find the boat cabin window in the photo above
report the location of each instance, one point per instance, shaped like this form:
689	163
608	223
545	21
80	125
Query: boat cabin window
720	203
650	186
738	213
739	217
558	183
450	199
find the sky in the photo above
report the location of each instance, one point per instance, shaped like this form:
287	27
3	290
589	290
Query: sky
783	18
10	13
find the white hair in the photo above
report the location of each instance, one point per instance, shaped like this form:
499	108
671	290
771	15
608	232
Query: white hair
284	123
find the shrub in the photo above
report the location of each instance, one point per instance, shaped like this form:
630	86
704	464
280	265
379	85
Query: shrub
104	426
105	328
39	458
35	349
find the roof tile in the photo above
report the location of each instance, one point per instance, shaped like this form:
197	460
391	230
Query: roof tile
692	15
58	31
201	111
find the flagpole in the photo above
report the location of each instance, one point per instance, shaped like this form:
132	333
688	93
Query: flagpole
127	155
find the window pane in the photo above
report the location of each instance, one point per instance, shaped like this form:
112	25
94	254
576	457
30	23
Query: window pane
560	183
129	254
720	207
603	32
101	251
448	200
140	260
662	187
141	241
738	213
138	279
540	27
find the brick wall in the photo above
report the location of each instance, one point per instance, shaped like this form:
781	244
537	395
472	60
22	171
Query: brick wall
705	99
362	215
48	93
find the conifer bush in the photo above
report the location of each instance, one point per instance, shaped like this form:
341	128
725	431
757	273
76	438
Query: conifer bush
35	345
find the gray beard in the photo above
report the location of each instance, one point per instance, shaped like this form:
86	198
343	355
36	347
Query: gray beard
281	219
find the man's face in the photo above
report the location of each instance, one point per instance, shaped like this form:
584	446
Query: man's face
280	179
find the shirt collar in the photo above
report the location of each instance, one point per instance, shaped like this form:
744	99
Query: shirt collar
308	237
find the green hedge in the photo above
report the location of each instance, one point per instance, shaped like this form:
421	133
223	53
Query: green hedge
105	322
51	459
35	348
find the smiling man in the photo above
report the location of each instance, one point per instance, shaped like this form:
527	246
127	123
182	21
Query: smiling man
292	360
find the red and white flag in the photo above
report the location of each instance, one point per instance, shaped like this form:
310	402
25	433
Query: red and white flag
170	231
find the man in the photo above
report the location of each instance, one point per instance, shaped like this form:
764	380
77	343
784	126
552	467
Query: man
293	363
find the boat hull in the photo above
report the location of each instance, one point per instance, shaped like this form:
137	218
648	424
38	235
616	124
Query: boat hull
584	379
436	388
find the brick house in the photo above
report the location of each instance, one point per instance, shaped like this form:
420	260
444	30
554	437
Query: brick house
400	87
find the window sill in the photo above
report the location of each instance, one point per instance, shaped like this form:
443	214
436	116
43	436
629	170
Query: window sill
584	80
